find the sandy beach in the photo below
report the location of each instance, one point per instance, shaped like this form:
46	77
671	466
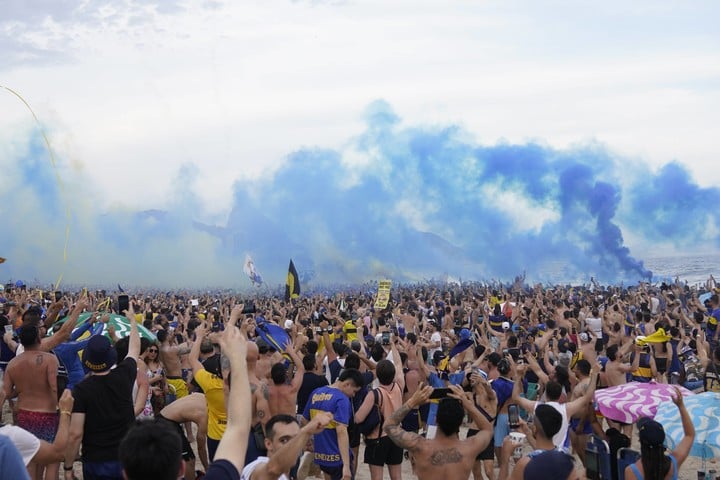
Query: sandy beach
687	472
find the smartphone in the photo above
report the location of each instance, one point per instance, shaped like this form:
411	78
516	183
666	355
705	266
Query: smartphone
514	415
58	296
123	303
439	393
8	329
386	339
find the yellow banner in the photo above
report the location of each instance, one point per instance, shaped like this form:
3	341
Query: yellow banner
383	294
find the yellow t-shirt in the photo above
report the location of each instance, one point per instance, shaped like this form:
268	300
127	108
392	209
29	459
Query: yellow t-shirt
212	385
350	331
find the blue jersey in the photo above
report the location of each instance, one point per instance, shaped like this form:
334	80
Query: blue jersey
329	399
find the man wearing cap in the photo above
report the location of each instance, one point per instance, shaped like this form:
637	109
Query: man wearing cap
103	409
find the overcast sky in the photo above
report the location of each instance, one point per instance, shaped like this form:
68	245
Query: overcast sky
133	89
132	92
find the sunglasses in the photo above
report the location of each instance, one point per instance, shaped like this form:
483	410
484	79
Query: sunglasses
153	350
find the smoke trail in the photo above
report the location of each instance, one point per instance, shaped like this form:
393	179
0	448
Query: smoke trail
404	201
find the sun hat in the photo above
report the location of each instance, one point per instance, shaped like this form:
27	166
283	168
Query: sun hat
99	354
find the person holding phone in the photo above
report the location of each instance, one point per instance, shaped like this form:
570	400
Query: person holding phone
553	391
104	409
446	455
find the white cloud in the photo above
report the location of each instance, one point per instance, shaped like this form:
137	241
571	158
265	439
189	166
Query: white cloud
135	92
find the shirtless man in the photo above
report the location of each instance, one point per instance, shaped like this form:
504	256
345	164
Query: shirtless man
192	408
616	374
283	394
445	456
170	354
32	377
258	389
581	424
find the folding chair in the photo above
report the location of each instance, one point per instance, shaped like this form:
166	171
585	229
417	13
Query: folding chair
597	459
625	457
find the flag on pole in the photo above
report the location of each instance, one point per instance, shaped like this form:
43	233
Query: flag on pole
120	289
249	269
292	287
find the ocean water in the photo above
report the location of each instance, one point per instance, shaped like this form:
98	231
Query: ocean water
693	269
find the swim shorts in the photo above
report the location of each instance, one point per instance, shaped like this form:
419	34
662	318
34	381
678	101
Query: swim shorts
43	425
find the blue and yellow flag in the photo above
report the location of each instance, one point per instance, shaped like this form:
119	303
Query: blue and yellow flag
292	287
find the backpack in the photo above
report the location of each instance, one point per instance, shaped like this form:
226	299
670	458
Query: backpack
375	417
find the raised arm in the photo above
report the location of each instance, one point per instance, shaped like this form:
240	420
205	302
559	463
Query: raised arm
525	404
286	456
239	409
299	368
408	440
683	449
194	357
580	404
134	343
63	335
483	438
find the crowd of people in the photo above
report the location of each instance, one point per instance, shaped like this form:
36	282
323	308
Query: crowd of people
223	387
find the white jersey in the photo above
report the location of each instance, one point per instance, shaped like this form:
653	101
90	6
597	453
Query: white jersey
26	443
560	439
250	468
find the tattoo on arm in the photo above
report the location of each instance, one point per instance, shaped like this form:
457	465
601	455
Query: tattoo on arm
265	391
401	438
183	350
225	363
399	414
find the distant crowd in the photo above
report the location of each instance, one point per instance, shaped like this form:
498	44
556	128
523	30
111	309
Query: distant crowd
175	385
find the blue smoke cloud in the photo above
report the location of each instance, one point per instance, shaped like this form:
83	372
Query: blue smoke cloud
404	202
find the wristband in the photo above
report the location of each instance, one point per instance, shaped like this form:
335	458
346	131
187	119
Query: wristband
66	411
68	468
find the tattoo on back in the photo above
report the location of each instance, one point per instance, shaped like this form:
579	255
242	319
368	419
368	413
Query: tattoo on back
39	360
443	457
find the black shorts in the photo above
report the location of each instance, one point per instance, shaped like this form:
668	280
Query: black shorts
382	451
661	365
187	451
354	435
489	452
334	472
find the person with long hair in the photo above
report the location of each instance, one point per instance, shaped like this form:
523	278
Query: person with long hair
653	463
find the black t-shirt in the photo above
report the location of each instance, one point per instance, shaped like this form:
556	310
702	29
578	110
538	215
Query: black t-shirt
310	382
106	401
222	470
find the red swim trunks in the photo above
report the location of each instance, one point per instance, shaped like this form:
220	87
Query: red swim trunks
43	425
